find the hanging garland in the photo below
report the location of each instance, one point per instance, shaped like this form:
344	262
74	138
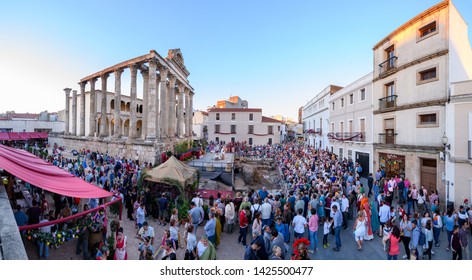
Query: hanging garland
58	237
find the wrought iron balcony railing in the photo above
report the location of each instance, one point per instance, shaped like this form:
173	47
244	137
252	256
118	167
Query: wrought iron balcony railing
387	138
347	136
388	65
388	102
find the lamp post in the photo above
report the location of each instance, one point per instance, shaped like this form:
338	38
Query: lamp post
447	147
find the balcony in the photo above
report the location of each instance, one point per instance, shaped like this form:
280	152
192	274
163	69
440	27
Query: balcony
388	102
388	65
387	138
347	136
313	131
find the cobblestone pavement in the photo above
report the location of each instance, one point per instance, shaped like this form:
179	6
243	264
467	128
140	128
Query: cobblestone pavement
229	249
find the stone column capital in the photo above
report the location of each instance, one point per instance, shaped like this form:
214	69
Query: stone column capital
74	92
104	76
134	67
163	72
152	61
192	93
82	85
93	80
118	72
172	80
144	72
67	91
181	87
187	91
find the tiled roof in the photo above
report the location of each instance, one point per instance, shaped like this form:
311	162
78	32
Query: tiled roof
267	119
235	110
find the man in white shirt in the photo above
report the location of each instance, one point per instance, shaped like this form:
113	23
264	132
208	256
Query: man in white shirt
266	210
299	224
146	231
198	200
384	216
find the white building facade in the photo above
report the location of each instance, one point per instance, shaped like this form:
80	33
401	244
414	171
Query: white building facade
414	66
315	118
458	143
351	123
242	125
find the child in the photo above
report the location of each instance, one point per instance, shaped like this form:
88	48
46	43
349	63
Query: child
326	231
386	234
175	216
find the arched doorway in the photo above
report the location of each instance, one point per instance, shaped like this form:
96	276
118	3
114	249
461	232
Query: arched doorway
139	127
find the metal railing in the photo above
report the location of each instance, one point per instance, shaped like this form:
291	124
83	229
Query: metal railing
347	136
387	138
388	102
387	65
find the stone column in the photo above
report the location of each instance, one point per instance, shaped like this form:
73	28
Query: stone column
103	111
163	108
93	109
82	108
117	111
151	104
145	102
187	110
171	99
158	80
180	112
74	112
190	116
66	128
133	69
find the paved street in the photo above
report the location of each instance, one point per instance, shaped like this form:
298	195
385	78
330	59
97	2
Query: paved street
229	249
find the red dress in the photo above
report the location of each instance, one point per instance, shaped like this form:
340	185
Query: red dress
120	251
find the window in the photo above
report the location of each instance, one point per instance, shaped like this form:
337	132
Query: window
362	95
270	129
233	139
251	117
233	116
342	102
332	127
217	116
351	98
340	153
233	128
428	30
429	119
250	141
270	141
350	127
332	106
390	89
390	52
341	126
278	128
217	128
217	139
427	75
250	129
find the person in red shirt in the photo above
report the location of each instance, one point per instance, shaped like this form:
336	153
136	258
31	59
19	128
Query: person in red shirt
243	225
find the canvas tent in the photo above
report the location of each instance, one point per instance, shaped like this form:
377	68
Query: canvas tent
172	169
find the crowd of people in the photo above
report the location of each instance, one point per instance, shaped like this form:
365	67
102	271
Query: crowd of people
318	191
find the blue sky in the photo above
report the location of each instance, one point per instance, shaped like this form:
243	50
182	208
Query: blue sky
275	54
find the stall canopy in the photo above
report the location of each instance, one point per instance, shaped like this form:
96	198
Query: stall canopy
172	169
18	136
42	174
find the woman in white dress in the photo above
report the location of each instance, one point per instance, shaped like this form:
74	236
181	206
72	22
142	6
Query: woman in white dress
359	229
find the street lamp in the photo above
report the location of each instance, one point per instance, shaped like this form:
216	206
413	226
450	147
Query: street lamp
444	141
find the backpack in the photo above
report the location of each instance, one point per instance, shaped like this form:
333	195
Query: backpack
255	212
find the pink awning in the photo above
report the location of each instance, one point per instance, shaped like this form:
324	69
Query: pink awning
4	136
24	135
14	136
44	175
43	135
